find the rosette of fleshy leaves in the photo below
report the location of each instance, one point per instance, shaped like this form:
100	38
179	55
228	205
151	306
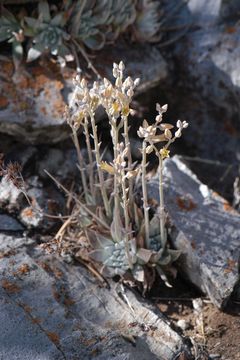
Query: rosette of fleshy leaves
110	250
148	21
155	254
123	14
90	21
48	33
11	30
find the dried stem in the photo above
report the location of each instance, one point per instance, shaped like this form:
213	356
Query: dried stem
161	208
81	164
126	216
99	170
144	190
129	155
90	158
82	206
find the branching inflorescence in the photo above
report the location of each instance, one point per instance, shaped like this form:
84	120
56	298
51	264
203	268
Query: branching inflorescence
123	237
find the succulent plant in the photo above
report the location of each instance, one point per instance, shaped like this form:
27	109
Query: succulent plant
90	21
123	14
111	254
147	23
48	34
11	30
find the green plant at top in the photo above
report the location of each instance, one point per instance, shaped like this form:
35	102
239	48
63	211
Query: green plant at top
47	33
65	28
122	236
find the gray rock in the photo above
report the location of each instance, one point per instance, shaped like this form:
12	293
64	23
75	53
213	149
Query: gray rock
206	89
32	101
8	223
52	310
206	229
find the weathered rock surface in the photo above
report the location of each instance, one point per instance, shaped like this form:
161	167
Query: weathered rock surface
50	310
206	229
32	101
206	88
8	223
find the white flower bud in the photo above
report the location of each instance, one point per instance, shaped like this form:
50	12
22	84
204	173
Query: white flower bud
168	134
83	83
179	124
185	124
164	108
136	82
118	82
130	93
178	133
121	66
158	118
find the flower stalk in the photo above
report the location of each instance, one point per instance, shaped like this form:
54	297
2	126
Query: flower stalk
99	170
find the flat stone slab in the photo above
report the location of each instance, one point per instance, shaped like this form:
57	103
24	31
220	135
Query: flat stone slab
205	228
32	101
8	223
50	310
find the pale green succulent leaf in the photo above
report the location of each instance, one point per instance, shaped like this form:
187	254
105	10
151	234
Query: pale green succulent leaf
35	52
175	254
163	276
165	259
95	42
33	23
144	255
44	11
100	255
58	20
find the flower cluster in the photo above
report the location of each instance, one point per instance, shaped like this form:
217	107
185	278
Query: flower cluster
132	240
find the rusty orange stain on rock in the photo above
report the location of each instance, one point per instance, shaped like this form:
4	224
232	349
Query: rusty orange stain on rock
227	207
28	212
3	102
53	337
36	320
185	203
230	29
231	265
23	269
10	287
6	254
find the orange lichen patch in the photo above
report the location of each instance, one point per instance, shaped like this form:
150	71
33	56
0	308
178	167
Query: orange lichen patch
193	245
23	269
230	29
227	207
28	212
36	320
10	287
26	307
68	301
3	102
231	265
88	342
230	129
62	296
57	272
7	254
53	337
185	203
7	68
45	266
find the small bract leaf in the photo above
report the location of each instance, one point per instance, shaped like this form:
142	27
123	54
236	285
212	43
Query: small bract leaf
106	167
